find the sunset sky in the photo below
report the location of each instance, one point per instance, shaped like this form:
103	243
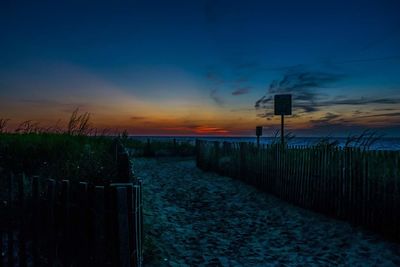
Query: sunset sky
203	67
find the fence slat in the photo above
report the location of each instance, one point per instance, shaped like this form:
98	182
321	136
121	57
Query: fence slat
99	235
1	249
122	228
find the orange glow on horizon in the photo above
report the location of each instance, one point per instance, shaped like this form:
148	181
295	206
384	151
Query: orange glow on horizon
152	118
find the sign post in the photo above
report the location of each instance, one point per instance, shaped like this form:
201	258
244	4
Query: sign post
258	133
283	106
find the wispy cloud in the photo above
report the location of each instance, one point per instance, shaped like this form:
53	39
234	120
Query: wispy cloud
214	77
303	85
358	101
328	119
241	91
198	129
137	118
263	101
214	96
393	114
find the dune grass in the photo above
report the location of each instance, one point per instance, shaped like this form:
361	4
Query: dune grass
76	152
58	156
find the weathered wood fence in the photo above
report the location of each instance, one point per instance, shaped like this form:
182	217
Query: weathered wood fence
68	223
362	187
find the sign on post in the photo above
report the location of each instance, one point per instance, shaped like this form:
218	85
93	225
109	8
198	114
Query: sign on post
283	106
258	134
259	130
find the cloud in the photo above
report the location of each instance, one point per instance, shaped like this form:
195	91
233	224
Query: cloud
359	101
267	115
304	108
386	109
199	129
305	87
210	130
137	118
214	77
217	99
302	84
393	114
236	74
262	101
327	119
241	91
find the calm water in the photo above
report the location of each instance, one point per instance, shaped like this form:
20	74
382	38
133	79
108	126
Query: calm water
381	144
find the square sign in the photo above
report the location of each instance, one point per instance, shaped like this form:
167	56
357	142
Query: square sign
259	130
283	104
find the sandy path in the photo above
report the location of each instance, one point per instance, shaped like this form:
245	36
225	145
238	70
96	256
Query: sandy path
194	218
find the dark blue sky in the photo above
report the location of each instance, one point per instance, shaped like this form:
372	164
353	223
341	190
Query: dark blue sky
162	61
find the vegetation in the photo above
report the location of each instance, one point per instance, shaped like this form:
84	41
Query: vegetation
59	156
327	142
74	153
363	141
276	138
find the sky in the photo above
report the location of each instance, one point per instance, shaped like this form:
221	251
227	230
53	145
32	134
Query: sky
203	67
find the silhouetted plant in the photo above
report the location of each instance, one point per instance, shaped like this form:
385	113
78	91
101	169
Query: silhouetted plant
28	127
53	129
363	141
79	124
124	136
327	142
276	138
3	125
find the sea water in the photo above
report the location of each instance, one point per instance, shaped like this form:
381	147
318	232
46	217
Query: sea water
384	143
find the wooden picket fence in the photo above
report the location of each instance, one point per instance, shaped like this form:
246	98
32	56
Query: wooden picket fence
65	223
362	187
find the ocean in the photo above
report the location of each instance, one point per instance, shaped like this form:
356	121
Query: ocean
384	143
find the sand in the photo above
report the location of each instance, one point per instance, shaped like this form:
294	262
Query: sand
195	218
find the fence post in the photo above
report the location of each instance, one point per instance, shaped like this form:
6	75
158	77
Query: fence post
135	222
10	247
1	249
22	212
139	220
122	226
35	221
83	227
65	222
51	221
10	234
10	189
99	227
21	193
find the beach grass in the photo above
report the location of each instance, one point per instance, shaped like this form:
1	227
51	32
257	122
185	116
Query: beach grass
57	156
